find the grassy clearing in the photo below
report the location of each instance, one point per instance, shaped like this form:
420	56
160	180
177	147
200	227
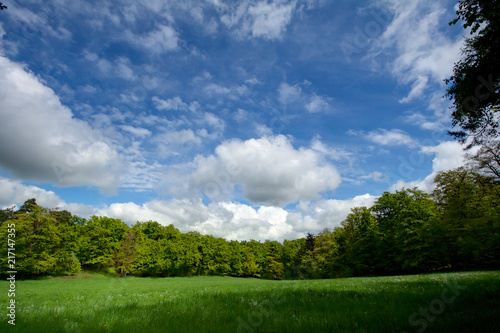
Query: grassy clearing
459	302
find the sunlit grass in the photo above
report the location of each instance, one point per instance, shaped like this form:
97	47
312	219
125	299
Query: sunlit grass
217	304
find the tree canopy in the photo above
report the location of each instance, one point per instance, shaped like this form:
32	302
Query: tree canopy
408	231
474	85
486	160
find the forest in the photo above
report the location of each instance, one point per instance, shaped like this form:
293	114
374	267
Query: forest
456	227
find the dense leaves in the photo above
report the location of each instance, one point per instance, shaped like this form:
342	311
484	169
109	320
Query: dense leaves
469	204
409	231
474	85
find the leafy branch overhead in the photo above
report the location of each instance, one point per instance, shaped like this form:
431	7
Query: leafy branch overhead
2	6
474	85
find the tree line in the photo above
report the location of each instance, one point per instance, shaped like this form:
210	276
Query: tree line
409	231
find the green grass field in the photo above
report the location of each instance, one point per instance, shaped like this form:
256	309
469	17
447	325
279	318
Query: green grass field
447	302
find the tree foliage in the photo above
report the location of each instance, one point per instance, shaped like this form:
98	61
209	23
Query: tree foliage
474	85
42	244
486	160
408	231
469	204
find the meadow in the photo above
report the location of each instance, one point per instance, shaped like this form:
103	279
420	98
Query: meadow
91	302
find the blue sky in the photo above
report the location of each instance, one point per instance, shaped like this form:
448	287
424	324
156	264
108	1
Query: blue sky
249	119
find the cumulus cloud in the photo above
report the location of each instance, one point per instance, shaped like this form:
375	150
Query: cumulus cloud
238	221
41	140
13	192
328	213
268	170
230	220
448	155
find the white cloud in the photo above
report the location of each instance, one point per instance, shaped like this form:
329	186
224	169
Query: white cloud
265	19
40	139
263	130
288	94
164	39
197	14
417	89
179	137
232	220
239	222
268	170
448	155
393	137
241	115
210	125
333	153
424	54
253	81
318	104
176	142
376	176
213	88
269	20
123	69
137	131
234	92
175	103
330	213
225	219
13	192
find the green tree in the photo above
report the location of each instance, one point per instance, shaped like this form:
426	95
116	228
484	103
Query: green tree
291	258
404	220
309	267
486	160
273	268
7	214
42	247
236	261
151	262
216	255
250	267
474	85
2	6
258	254
100	237
359	243
153	241
125	256
469	204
